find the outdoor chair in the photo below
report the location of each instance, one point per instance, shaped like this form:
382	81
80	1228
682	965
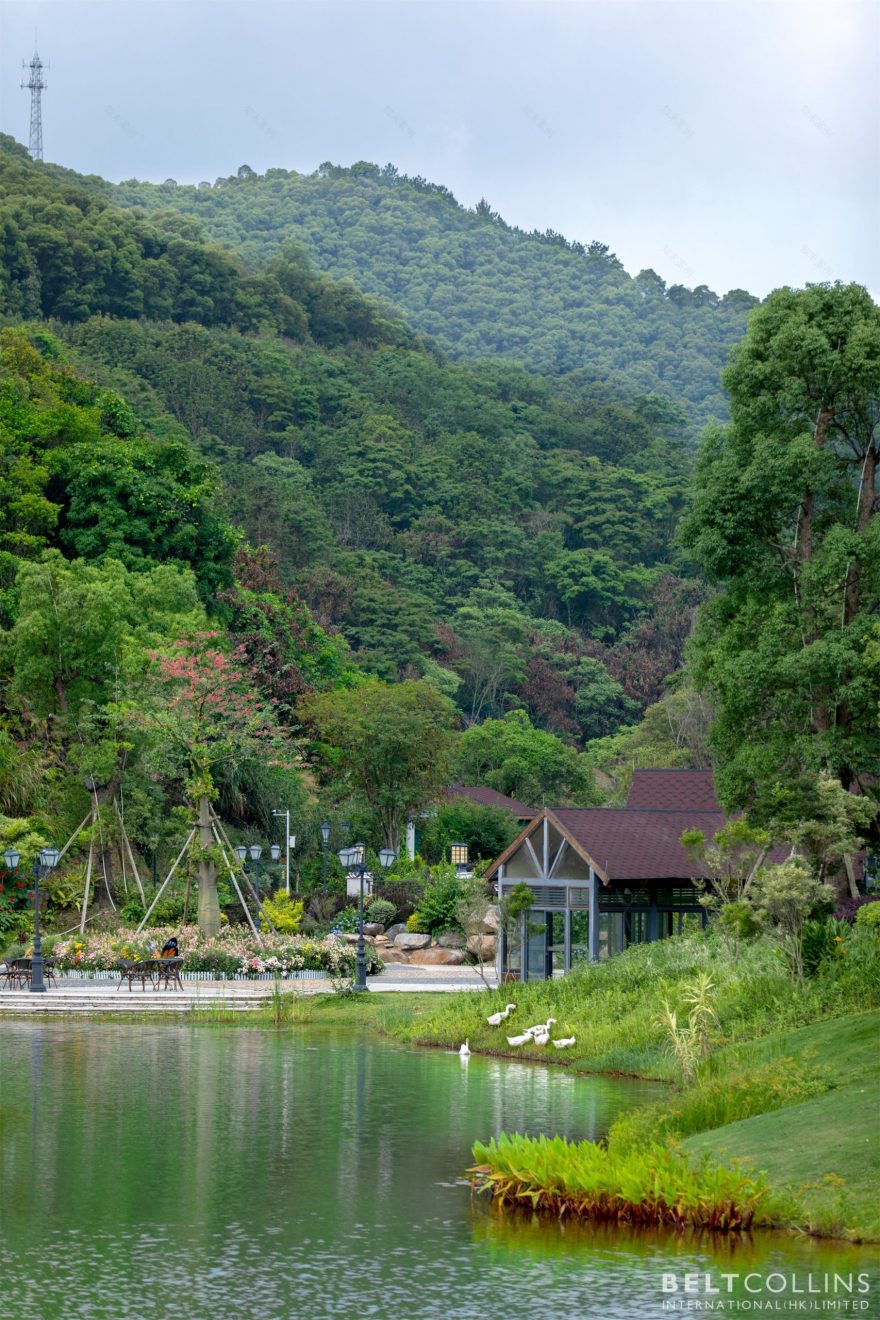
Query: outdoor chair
168	973
131	971
18	973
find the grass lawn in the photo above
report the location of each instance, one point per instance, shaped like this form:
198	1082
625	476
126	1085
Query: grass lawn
828	1147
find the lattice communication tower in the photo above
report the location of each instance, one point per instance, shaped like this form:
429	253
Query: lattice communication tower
36	86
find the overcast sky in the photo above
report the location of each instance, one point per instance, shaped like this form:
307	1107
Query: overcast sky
732	144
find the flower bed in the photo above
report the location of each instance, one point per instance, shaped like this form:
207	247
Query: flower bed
233	952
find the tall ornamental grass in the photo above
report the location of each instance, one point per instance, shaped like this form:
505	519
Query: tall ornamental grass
614	1008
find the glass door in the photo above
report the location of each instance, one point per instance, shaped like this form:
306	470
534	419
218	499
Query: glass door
539	959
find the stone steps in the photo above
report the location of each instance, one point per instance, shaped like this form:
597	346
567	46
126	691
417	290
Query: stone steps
241	999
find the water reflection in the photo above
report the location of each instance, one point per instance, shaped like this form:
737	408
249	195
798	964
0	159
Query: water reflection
293	1174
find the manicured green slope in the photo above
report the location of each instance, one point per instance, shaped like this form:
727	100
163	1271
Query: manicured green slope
827	1148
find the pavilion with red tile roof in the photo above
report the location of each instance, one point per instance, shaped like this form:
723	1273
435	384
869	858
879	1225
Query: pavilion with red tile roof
607	877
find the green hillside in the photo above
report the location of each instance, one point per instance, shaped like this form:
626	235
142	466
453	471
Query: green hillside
508	539
481	287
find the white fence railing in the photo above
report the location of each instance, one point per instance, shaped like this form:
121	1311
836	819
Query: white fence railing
80	975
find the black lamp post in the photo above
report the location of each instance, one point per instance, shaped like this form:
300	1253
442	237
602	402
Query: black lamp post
43	864
256	852
353	859
325	839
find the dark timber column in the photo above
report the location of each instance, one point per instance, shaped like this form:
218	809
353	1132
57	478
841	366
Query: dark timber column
653	917
593	936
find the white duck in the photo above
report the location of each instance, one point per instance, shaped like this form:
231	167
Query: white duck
519	1040
495	1019
465	1050
541	1028
565	1042
541	1037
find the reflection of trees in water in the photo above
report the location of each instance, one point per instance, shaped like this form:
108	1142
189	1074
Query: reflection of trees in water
195	1125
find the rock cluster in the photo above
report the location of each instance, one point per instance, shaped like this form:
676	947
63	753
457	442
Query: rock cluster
450	949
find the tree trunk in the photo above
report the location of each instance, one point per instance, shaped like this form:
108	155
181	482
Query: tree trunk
209	904
864	515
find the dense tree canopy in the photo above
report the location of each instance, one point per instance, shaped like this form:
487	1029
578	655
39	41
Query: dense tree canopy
65	253
481	287
386	745
784	518
507	537
388	546
525	763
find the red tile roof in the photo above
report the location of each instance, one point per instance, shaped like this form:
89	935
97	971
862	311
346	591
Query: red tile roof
631	844
673	790
490	797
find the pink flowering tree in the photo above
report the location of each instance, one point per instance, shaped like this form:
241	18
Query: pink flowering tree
204	712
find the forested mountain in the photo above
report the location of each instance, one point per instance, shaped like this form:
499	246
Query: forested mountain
500	534
262	479
481	287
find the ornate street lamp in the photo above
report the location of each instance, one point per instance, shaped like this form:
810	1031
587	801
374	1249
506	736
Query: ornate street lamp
325	839
275	851
43	865
12	858
354	859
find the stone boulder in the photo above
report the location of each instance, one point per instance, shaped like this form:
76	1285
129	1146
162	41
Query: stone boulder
373	928
482	947
409	940
451	939
437	957
489	924
392	955
397	929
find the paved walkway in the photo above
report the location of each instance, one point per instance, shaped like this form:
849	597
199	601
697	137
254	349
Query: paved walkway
409	977
78	996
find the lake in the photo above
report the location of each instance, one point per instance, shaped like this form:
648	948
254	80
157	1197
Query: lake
194	1171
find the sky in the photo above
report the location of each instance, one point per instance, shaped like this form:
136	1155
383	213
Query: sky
727	143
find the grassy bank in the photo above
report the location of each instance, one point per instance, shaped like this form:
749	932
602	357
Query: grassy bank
780	1131
613	1009
827	1147
789	1087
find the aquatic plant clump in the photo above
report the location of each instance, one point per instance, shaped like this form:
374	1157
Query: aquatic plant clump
232	952
653	1186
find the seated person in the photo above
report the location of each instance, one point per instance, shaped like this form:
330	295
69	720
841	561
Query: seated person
170	949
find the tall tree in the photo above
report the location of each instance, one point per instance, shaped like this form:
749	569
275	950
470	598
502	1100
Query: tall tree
204	714
530	764
784	519
387	744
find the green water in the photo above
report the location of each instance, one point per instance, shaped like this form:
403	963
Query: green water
153	1171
